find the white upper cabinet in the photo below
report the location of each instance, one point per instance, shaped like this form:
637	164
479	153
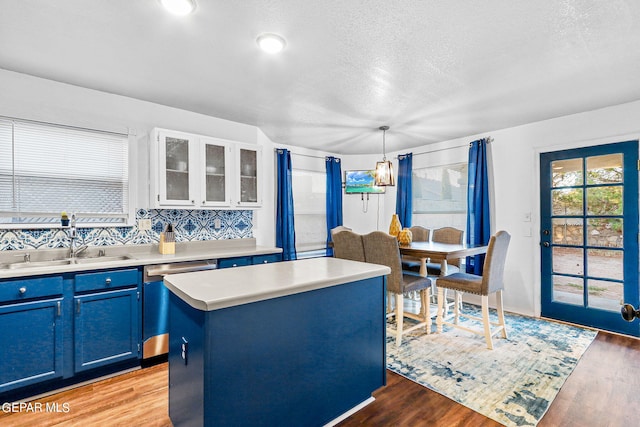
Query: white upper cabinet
215	184
248	188
176	166
194	171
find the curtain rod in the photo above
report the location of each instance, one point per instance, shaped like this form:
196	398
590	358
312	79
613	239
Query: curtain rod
489	139
303	155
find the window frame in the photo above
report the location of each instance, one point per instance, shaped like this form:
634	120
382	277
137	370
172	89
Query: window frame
128	214
443	212
309	253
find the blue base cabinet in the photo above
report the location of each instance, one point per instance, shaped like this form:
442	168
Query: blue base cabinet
112	314
298	360
249	260
32	343
106	304
54	328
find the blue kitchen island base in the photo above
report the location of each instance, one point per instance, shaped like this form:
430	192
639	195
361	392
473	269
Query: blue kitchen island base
297	360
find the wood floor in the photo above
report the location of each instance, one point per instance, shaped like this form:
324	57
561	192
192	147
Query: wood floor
602	391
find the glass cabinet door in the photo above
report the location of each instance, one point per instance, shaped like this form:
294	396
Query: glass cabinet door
176	173
215	176
249	170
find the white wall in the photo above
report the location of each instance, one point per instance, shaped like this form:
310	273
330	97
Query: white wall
514	155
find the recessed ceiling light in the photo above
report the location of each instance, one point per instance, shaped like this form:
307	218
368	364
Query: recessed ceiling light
271	43
179	7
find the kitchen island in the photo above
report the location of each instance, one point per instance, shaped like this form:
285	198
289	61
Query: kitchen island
296	343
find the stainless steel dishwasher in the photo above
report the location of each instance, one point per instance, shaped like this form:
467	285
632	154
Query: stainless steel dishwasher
155	303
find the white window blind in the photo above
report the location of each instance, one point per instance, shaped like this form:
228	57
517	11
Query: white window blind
46	169
309	209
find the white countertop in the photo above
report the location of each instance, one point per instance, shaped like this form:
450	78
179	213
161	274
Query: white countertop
138	255
216	289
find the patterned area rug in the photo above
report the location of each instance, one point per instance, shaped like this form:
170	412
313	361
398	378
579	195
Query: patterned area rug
514	384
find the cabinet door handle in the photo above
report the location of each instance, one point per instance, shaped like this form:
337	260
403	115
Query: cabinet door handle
108	281
78	306
58	311
22	290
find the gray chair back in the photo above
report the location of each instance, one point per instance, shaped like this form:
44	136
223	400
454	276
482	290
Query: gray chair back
449	235
348	245
382	248
494	261
339	229
419	234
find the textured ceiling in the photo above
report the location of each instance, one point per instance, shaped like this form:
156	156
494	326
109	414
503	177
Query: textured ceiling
432	70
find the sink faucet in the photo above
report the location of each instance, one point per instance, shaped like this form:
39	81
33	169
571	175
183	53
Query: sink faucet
73	236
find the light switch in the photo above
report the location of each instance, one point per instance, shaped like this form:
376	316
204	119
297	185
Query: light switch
216	223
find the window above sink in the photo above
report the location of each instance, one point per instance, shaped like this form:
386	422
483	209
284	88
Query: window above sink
47	168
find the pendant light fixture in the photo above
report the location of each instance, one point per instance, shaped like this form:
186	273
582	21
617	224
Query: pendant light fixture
384	169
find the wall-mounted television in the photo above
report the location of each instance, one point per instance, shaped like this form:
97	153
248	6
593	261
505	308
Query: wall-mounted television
360	181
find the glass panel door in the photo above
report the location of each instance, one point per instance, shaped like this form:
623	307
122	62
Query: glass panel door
248	176
176	174
215	156
589	218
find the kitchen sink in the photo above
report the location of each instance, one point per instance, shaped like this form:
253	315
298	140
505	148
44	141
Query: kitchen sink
65	261
35	264
99	259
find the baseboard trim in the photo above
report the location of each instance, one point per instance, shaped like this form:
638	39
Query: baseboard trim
76	385
349	412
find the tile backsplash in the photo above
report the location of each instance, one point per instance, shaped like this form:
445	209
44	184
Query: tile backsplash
189	225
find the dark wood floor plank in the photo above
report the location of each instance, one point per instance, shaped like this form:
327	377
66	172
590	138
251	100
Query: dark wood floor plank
602	391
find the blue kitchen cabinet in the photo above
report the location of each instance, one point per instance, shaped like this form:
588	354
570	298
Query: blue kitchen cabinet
234	262
249	260
31	337
107	326
266	259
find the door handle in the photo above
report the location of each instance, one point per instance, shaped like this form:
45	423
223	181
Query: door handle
628	312
546	244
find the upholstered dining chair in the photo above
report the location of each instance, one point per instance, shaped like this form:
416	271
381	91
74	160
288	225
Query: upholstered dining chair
446	235
491	282
418	234
382	248
348	245
339	228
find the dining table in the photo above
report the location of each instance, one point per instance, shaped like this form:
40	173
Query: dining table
439	252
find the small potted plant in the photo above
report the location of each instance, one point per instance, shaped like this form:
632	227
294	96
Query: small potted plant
64	219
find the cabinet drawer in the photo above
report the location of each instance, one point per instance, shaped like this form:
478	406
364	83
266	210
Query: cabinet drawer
267	259
106	280
234	262
16	290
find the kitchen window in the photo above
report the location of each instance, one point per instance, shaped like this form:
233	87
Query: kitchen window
309	208
46	169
